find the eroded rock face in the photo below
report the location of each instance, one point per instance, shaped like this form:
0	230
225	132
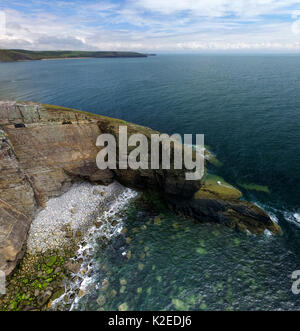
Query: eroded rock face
17	206
44	149
167	181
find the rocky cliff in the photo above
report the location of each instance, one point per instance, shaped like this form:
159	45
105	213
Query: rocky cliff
44	149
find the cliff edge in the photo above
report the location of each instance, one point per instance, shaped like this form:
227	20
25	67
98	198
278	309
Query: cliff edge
44	149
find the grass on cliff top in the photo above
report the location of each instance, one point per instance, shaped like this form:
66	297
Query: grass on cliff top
111	120
97	116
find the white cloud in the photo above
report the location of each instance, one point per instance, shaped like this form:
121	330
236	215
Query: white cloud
217	8
2	23
157	25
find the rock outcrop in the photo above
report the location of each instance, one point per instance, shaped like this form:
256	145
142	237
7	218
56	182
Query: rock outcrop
44	149
171	181
219	202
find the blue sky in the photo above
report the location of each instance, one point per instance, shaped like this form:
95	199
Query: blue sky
152	25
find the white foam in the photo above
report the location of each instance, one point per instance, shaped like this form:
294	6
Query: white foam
200	150
273	217
297	217
85	282
267	233
292	217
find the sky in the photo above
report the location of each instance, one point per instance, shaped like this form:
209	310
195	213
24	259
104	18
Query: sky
180	26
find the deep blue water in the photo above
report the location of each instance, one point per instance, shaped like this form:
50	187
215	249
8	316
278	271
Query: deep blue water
248	107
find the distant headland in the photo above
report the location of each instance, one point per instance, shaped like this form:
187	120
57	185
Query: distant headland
14	55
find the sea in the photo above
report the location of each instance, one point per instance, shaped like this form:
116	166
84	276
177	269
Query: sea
248	108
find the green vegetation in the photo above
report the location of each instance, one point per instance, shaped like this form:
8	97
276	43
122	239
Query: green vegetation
216	187
13	55
37	281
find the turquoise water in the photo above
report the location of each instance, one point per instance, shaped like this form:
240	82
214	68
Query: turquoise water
186	266
248	107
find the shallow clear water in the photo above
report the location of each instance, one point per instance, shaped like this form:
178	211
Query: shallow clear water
248	107
182	265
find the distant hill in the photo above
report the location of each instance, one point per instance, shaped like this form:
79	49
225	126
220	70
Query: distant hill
12	55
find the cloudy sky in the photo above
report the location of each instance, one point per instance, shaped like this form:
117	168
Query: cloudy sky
151	25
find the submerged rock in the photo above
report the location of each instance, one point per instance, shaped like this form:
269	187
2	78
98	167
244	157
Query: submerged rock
123	307
255	187
101	300
157	221
201	251
123	282
122	289
141	266
180	305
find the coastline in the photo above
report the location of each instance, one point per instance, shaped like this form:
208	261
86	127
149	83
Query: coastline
67	58
78	58
57	264
10	55
67	213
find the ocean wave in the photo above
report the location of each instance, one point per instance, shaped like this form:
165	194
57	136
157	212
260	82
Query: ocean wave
200	150
273	217
292	217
